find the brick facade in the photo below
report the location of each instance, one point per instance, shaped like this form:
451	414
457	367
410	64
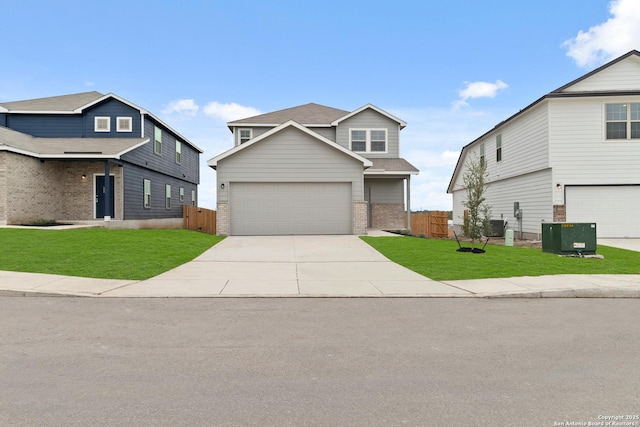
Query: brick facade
360	217
388	216
51	189
559	213
222	219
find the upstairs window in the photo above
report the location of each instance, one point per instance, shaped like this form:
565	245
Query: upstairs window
102	124
167	190
369	140
147	193
623	121
499	148
157	138
245	135
123	124
178	152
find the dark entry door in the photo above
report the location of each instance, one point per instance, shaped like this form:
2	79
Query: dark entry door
100	197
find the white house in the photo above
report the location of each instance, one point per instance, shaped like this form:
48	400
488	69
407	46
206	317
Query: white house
571	156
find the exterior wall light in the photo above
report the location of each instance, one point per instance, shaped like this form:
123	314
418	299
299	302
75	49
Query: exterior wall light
222	186
84	176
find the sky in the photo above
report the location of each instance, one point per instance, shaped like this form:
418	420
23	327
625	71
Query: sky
451	69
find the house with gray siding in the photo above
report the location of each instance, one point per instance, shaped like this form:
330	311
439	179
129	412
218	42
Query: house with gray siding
571	156
91	156
313	169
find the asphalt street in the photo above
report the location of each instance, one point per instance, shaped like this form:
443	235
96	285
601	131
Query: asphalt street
317	361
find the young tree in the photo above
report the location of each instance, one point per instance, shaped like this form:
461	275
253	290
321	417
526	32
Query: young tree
477	220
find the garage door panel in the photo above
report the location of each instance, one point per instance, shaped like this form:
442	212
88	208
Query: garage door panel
290	208
613	208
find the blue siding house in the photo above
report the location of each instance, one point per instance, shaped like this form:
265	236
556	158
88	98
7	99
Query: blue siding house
56	154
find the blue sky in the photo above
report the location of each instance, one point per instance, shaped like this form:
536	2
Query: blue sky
451	70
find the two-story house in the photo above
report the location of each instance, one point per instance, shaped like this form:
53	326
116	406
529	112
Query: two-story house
91	156
571	156
313	169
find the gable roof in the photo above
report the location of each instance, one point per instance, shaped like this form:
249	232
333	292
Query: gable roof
67	148
557	93
213	163
60	104
374	108
76	104
308	115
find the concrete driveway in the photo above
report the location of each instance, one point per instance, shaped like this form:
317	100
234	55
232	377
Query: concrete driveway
289	265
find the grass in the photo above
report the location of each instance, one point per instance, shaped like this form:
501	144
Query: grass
438	260
100	253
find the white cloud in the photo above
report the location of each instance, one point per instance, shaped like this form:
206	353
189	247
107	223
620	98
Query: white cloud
230	111
603	42
187	107
478	90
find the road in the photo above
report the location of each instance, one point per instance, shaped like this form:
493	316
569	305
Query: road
317	361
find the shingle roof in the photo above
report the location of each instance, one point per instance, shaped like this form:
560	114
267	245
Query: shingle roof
391	165
54	103
67	147
308	114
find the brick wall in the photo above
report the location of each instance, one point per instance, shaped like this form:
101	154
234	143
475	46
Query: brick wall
51	189
222	219
559	213
388	216
360	217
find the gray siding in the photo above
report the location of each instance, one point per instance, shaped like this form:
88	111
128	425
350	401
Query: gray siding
370	119
386	190
290	156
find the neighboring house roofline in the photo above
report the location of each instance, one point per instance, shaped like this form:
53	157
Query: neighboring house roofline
402	123
557	93
99	98
213	163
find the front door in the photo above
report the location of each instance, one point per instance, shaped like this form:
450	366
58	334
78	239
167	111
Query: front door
101	199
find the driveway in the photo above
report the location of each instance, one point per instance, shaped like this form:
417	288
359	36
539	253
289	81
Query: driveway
289	265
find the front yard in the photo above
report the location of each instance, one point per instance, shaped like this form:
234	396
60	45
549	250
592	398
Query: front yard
100	253
438	260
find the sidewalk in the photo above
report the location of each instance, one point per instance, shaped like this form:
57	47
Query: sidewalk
311	266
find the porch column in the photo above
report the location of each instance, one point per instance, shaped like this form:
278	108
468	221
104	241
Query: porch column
107	191
408	181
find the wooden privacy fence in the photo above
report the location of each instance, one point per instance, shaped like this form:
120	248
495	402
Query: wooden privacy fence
432	224
199	219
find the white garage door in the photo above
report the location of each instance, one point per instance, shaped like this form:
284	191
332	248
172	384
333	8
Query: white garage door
290	208
614	209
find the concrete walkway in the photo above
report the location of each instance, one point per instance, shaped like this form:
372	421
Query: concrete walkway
312	266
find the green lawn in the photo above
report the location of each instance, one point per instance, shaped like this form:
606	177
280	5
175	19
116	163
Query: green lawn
438	260
100	253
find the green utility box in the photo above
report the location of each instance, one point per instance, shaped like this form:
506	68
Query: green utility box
566	238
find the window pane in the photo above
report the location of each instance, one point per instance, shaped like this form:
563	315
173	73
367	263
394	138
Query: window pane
358	145
635	130
635	112
378	146
378	135
617	130
616	111
245	134
358	135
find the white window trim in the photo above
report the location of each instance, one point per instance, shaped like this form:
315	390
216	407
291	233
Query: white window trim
95	124
368	140
628	121
178	152
155	141
182	194
240	135
144	190
129	120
